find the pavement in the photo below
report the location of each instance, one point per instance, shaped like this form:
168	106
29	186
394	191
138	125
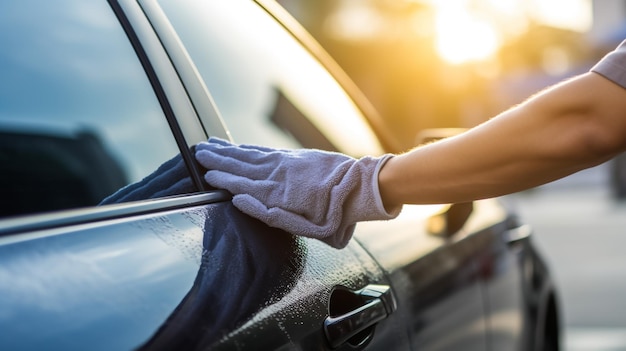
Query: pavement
581	231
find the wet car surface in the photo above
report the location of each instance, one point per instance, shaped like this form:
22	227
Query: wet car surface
102	95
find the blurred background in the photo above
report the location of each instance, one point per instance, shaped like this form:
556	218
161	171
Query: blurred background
429	63
455	63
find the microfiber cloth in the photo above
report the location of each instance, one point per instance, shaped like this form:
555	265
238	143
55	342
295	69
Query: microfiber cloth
171	178
306	192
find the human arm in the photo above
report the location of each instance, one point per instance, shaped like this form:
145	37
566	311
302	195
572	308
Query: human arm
571	126
574	125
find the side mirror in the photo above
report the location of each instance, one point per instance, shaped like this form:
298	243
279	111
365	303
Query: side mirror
433	134
450	219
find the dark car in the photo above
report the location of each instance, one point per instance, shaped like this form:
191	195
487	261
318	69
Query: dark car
100	96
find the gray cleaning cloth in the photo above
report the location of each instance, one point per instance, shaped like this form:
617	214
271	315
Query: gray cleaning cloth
171	178
306	192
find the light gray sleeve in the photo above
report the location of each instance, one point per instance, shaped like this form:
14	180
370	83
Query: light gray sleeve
613	65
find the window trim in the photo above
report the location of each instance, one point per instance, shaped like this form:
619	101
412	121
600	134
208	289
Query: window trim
64	218
171	96
309	43
174	101
209	117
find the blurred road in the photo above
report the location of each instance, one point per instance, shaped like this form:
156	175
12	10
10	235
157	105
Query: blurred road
581	231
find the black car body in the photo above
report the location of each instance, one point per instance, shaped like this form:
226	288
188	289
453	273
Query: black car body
95	96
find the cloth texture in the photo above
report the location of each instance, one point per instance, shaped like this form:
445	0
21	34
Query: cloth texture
613	65
307	192
171	178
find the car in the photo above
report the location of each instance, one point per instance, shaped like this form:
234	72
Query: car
111	240
617	177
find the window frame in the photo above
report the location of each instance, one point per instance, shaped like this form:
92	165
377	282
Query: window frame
201	96
309	43
187	131
165	82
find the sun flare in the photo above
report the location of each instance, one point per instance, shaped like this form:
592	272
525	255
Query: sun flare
463	38
469	31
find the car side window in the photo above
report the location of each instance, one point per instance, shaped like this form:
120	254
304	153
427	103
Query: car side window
78	116
267	87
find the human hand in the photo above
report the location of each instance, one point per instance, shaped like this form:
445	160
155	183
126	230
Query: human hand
307	192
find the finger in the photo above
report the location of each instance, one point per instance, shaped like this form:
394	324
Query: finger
277	217
238	184
237	164
266	149
223	142
252	164
334	234
249	155
227	144
220	141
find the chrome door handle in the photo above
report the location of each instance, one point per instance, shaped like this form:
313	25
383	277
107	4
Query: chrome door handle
372	304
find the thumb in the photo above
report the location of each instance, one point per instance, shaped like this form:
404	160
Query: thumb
280	218
251	206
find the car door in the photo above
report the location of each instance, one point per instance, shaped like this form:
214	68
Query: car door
109	239
507	267
331	288
271	91
79	120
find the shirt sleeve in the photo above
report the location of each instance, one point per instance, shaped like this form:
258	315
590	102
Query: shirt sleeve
613	65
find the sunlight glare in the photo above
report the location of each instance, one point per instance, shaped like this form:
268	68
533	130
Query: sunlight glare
464	38
474	30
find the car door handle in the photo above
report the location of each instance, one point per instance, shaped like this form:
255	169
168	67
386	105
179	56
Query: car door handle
367	307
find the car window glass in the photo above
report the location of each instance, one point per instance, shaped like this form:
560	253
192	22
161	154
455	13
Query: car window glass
78	116
267	87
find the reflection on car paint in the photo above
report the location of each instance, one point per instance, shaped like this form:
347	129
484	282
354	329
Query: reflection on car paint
241	271
200	274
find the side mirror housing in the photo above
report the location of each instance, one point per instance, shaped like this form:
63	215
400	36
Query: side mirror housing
450	219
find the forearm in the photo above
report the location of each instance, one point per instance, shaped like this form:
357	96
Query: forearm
556	133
